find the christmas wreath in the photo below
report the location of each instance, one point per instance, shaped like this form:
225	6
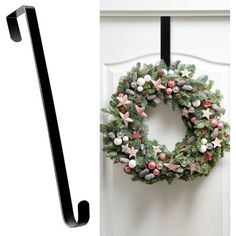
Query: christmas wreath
126	134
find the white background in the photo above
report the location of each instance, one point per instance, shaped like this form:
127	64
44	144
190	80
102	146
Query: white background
29	203
28	199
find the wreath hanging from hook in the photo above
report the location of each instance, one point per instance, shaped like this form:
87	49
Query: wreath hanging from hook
125	135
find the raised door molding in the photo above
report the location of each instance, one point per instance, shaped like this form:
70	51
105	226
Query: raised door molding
143	13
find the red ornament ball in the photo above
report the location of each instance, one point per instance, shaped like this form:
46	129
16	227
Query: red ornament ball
156	172
171	83
127	169
152	165
214	122
207	156
220	126
193	119
206	103
162	156
169	91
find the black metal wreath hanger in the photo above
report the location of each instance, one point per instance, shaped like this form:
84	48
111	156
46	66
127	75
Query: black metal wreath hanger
165	39
50	113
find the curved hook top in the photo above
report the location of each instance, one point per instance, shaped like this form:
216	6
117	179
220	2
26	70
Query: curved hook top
13	24
50	113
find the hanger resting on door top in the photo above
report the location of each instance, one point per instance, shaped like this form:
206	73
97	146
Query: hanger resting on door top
50	113
165	39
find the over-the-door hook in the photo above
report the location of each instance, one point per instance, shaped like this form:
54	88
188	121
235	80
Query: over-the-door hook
50	113
165	39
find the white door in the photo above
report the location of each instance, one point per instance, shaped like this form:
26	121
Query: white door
200	207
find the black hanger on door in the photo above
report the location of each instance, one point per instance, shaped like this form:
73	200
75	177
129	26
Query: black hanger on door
165	39
50	113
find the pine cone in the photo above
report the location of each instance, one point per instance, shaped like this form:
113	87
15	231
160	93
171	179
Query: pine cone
160	74
116	161
123	109
226	133
204	132
184	177
168	155
142	139
177	96
136	100
145	93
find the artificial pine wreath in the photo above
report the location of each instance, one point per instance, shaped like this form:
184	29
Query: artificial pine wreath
126	134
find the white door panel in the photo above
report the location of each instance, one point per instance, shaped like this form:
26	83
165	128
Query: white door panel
124	38
192	208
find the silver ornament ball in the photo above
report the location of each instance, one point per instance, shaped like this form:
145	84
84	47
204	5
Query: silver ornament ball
111	135
110	118
191	110
210	146
133	84
150	176
119	135
157	100
176	89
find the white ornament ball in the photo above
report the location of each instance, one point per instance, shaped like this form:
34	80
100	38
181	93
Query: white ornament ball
132	163
141	81
203	148
196	103
140	88
171	72
204	141
164	71
111	118
125	138
147	78
117	141
189	104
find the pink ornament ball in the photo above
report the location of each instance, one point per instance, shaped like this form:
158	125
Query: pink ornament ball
127	169
214	122
169	91
171	83
152	165
193	119
220	126
162	156
156	172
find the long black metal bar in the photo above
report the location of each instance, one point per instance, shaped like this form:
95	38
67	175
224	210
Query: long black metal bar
50	113
165	39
